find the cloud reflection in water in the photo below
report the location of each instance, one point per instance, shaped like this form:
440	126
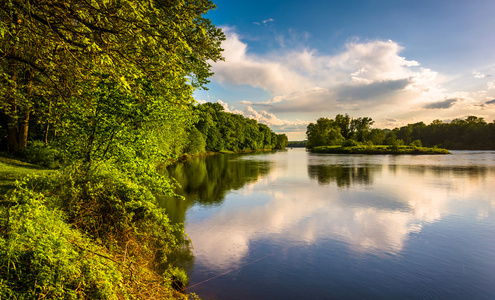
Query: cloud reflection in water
371	207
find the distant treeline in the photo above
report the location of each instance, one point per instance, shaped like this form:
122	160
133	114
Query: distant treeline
297	144
469	134
472	133
217	130
210	129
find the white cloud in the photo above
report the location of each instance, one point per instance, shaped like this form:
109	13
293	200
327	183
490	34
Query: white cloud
226	108
264	22
272	121
478	74
366	78
376	64
241	68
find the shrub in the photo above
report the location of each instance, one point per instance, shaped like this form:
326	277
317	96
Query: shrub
41	256
350	143
40	154
86	234
416	143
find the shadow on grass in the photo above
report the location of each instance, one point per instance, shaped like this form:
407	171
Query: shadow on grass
20	164
12	169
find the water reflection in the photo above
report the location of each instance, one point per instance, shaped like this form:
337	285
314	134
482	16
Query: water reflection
207	180
380	208
343	176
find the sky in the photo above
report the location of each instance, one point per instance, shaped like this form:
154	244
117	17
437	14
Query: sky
288	63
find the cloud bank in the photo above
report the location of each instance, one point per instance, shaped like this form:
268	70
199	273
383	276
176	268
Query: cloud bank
364	78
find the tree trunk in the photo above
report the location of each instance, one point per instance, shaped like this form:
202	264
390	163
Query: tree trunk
12	135
23	130
18	132
18	126
47	129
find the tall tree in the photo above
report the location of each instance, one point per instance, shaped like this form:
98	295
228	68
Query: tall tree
282	141
52	52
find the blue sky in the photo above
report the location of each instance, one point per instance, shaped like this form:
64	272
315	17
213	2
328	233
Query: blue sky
291	62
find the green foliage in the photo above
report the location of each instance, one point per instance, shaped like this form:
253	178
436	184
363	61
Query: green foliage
350	143
53	53
42	256
378	149
416	143
376	136
111	82
324	132
328	132
282	141
470	133
225	131
112	206
44	155
107	217
178	278
196	142
301	144
12	170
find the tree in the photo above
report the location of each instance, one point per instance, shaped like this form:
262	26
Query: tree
344	123
266	133
115	79
53	52
376	136
360	128
196	142
282	141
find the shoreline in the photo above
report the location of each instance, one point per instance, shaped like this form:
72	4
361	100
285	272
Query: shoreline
377	150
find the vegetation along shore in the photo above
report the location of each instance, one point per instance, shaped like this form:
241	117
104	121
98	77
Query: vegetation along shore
94	96
348	135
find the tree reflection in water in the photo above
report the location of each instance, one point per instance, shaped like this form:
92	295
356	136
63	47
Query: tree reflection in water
206	180
343	175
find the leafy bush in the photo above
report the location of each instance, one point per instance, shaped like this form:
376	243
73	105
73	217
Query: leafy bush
416	143
178	278
350	143
40	154
86	234
41	256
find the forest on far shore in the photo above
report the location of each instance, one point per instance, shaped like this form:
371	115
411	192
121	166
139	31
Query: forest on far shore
472	133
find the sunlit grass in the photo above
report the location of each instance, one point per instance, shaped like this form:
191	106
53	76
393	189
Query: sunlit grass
13	169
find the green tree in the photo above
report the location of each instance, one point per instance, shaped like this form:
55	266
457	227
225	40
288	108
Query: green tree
196	142
115	79
344	123
282	141
53	52
376	136
324	132
360	128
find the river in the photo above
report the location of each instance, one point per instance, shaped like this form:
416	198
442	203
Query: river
296	225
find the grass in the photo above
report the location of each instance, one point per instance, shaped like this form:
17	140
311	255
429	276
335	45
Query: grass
379	149
12	169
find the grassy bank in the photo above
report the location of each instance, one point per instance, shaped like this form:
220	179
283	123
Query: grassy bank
379	149
12	169
74	234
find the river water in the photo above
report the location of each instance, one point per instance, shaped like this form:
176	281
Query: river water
296	225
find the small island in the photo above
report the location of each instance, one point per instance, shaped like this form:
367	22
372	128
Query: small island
379	149
348	135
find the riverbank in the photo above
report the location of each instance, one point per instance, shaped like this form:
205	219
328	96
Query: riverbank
186	156
47	222
379	149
